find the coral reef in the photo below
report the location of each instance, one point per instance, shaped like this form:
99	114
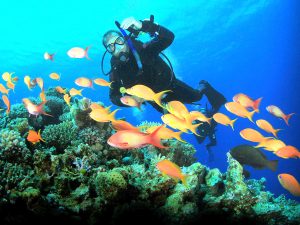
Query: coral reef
76	174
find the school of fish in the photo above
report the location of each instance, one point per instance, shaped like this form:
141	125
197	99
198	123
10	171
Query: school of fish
177	116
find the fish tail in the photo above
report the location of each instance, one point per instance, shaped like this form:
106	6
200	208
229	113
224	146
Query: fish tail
256	104
80	92
273	164
193	128
46	114
109	84
40	137
139	105
275	132
111	116
184	180
251	115
40	108
287	117
86	52
154	138
158	96
177	135
51	56
232	122
209	120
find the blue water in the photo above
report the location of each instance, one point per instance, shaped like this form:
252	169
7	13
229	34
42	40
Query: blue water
238	46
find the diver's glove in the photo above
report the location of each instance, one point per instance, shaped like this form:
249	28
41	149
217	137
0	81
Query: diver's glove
132	23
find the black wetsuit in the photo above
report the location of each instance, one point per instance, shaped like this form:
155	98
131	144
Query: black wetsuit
156	73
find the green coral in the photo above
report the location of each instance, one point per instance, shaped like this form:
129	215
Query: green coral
19	124
13	148
60	135
110	184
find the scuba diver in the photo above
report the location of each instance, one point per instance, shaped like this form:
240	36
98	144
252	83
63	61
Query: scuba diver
135	62
208	131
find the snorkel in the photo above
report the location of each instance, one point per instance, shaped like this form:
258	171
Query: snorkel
132	48
130	45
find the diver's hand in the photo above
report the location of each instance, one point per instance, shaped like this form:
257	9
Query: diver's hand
131	22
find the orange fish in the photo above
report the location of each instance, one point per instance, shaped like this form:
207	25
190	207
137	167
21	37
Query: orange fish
272	145
40	82
48	56
132	101
15	79
239	110
166	133
276	111
30	83
67	99
78	52
9	80
84	82
288	152
196	115
129	139
60	90
290	183
74	92
54	76
223	119
43	96
7	103
34	137
176	123
101	109
3	89
34	109
247	102
178	109
10	86
145	93
6	76
266	126
166	167
101	115
123	125
102	82
252	135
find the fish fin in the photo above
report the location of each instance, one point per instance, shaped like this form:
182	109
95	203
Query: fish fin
86	52
287	117
273	164
251	115
40	137
177	135
154	139
184	180
158	96
193	128
51	56
232	122
110	84
111	116
256	104
275	132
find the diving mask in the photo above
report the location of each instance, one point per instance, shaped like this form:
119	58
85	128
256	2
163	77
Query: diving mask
112	46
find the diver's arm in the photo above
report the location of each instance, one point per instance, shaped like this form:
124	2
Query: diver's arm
164	37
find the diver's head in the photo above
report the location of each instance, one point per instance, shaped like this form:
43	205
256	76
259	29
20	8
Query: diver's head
115	44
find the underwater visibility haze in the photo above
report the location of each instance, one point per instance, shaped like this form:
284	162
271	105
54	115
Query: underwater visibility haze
66	150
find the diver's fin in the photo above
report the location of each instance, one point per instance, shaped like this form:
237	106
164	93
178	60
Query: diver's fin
215	98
